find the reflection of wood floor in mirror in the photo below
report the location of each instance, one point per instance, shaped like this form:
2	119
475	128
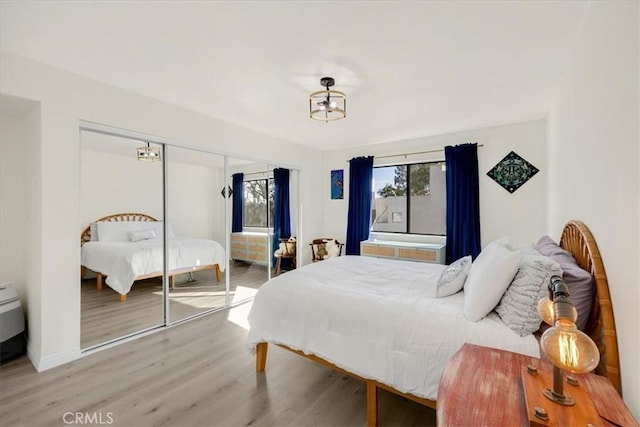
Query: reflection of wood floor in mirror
105	318
198	373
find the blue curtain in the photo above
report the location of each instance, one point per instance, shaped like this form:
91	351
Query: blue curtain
359	216
281	215
238	202
463	202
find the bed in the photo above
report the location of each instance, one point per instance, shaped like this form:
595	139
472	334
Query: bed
128	247
394	334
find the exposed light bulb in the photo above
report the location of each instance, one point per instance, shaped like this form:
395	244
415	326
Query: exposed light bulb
546	311
569	348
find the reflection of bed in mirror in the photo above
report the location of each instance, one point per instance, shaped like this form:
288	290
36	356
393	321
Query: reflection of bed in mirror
127	247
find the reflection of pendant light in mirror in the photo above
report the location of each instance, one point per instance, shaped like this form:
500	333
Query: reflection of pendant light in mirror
327	105
147	153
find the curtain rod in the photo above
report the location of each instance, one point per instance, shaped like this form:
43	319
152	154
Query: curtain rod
258	173
416	152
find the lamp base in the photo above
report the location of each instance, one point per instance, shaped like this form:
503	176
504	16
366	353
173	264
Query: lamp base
543	412
563	400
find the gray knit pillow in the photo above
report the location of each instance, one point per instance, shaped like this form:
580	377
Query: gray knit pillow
518	306
452	278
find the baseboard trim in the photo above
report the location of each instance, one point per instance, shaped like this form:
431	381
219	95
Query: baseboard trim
44	363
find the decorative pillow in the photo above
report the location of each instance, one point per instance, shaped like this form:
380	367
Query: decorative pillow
489	276
158	226
581	283
148	234
452	278
93	229
518	307
332	249
117	231
321	251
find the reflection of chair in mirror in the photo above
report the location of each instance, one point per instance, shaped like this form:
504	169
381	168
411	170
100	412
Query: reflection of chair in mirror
286	251
325	248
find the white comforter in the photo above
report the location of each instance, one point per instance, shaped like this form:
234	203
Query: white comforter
122	262
376	318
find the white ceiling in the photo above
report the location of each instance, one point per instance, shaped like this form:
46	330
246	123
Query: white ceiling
409	68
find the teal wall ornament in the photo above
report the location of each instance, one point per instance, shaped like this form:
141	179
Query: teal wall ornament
512	172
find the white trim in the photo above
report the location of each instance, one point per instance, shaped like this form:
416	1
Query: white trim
43	364
140	136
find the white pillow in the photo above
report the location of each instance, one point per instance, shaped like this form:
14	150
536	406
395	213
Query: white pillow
117	231
490	275
136	236
158	226
452	278
93	230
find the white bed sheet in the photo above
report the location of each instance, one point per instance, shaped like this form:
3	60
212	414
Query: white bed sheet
376	318
122	262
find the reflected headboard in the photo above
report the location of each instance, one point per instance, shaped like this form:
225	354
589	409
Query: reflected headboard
86	233
577	239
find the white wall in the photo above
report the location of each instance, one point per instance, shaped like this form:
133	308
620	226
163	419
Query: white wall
594	153
21	205
66	99
112	183
501	213
196	207
13	204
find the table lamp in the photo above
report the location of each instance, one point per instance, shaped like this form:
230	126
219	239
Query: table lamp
563	344
568	349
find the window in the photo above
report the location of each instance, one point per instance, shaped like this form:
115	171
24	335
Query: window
409	199
258	203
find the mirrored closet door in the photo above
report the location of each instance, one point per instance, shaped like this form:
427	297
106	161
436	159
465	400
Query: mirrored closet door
250	209
170	233
122	228
197	240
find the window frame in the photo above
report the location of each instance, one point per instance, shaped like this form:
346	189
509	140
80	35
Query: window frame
268	182
408	196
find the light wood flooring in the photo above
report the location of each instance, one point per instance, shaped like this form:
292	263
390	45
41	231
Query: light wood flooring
104	317
197	373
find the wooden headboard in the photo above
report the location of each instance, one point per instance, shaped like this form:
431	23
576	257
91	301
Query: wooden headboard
86	233
577	239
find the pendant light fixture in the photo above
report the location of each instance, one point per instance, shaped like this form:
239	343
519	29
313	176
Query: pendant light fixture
148	153
327	105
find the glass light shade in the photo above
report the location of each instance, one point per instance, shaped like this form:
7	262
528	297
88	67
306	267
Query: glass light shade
560	308
569	348
148	153
546	312
328	105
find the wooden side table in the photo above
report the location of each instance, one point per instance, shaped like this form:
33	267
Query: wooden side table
482	386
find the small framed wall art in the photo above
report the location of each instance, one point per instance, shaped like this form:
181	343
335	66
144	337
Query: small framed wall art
337	180
512	172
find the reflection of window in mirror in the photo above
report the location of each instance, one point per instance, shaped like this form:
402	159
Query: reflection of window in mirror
251	208
258	202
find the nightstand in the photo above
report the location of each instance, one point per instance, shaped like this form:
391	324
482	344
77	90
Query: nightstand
482	386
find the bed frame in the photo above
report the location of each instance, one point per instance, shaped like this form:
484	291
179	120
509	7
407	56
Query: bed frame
578	240
86	237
